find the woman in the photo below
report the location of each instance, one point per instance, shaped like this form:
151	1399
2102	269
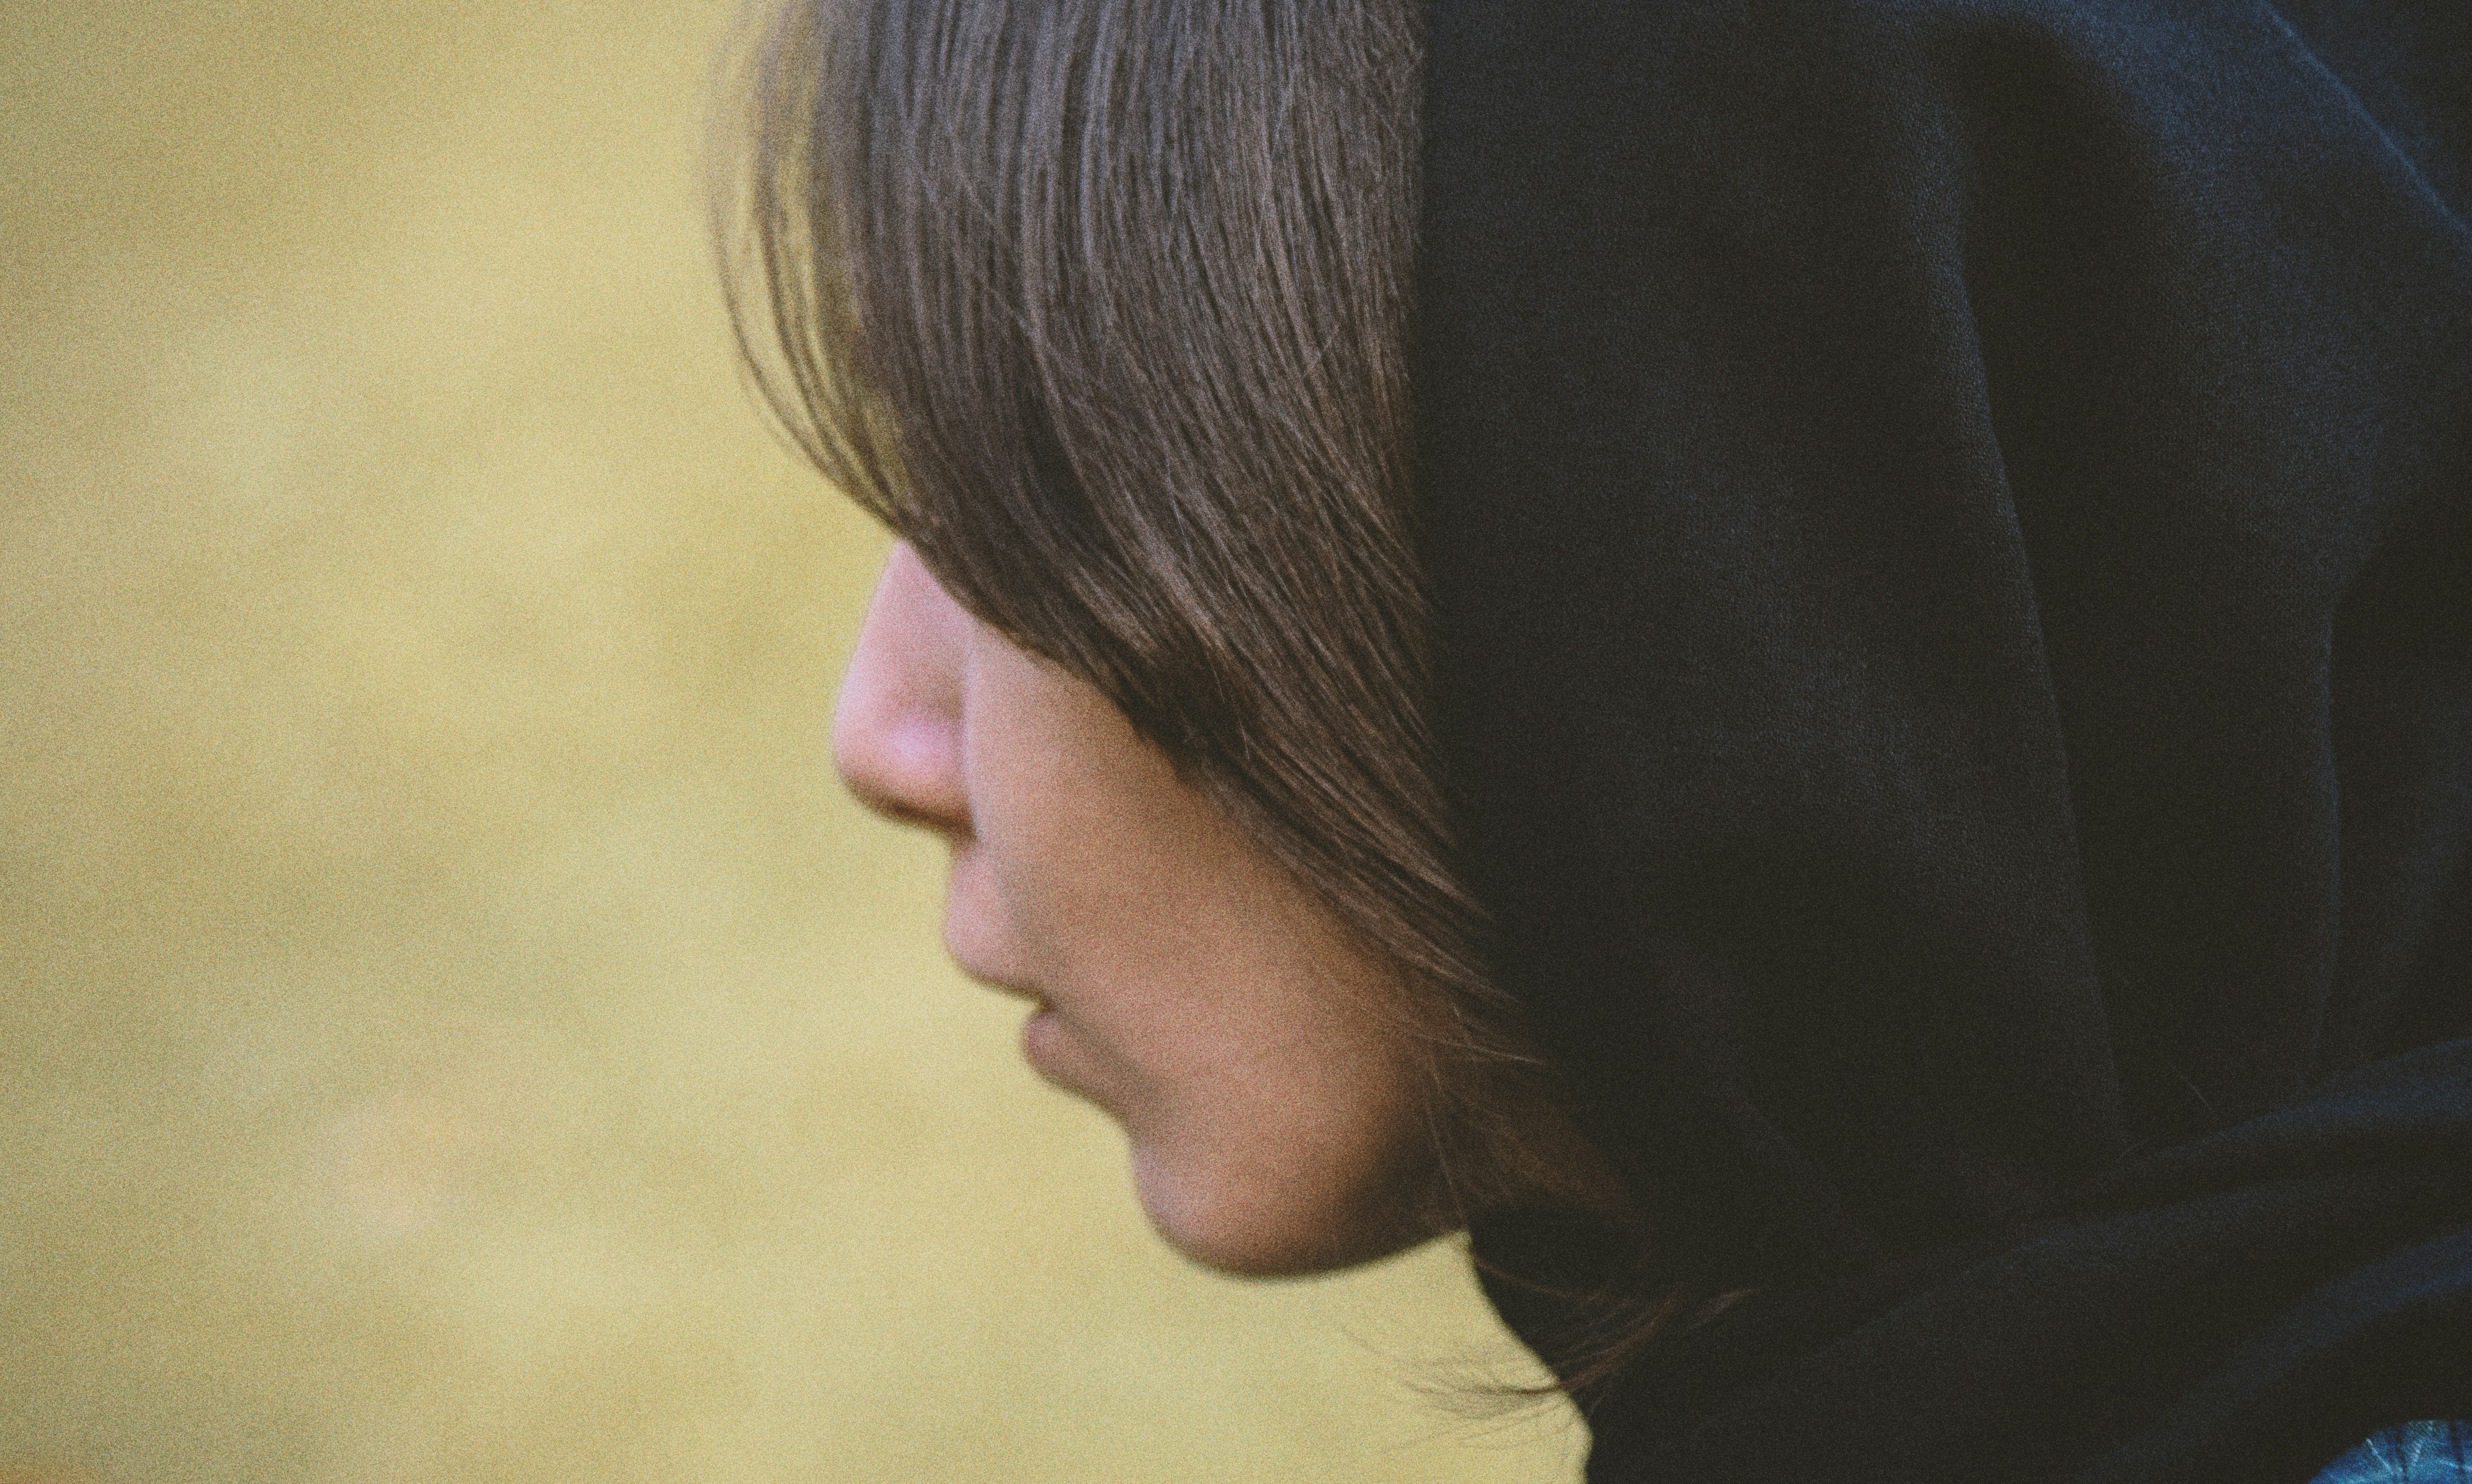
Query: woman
1881	800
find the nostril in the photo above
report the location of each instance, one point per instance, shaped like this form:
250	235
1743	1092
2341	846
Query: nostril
897	727
907	768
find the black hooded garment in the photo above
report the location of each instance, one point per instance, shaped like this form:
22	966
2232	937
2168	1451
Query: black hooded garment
1953	528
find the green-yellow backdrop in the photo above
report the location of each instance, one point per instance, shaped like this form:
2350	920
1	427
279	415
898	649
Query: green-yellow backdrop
454	1028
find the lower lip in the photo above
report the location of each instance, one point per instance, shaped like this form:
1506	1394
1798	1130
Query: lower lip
1042	1037
1063	1062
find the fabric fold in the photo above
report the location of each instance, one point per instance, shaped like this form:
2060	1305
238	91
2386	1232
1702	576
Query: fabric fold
1950	525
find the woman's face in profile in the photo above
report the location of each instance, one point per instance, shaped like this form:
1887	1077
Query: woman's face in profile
1184	983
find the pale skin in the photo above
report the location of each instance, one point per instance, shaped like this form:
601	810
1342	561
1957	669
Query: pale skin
1184	983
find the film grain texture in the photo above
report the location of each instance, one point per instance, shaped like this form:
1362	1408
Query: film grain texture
452	1026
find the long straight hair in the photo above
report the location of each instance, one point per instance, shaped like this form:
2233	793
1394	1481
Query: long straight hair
1106	306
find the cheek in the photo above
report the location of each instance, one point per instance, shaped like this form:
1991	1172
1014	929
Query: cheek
1193	990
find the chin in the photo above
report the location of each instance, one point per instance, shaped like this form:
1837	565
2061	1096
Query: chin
1251	1233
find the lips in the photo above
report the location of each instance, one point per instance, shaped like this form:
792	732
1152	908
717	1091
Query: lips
1042	1041
1042	1034
1017	991
977	938
972	956
1065	1062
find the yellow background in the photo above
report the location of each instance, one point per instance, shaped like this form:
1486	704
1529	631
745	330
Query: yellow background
454	1027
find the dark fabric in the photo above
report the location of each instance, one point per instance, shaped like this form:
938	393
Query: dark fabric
1951	526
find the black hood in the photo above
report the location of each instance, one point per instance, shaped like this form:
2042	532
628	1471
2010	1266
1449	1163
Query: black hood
1952	527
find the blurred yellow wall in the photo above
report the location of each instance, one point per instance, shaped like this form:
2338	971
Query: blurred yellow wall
454	1028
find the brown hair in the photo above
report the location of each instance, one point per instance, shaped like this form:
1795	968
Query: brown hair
1106	307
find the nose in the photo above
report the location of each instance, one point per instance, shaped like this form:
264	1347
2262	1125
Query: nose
898	727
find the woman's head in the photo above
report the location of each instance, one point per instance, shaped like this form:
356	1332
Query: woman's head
1105	307
1185	983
